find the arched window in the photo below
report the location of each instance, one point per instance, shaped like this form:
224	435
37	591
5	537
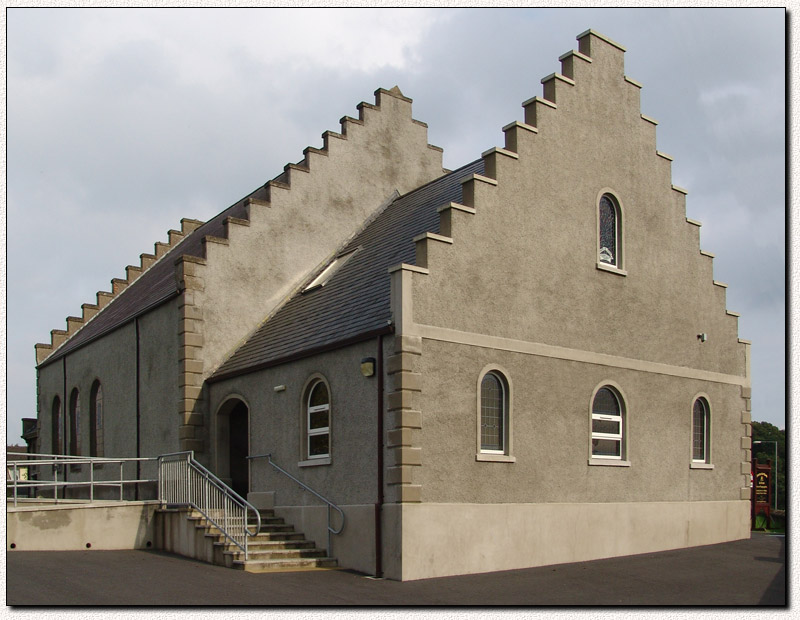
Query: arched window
96	442
700	431
607	425
57	427
609	247
318	417
74	428
494	413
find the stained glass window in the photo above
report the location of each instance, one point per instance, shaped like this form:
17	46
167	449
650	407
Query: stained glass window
493	413
608	232
699	430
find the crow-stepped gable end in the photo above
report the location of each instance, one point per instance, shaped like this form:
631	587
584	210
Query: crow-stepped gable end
520	362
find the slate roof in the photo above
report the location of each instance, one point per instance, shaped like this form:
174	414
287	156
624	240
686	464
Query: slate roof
355	302
153	288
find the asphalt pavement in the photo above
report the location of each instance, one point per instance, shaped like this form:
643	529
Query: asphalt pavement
745	572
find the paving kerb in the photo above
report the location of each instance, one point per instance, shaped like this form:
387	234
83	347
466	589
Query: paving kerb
746	572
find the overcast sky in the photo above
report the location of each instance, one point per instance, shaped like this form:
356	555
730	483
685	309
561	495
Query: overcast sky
121	122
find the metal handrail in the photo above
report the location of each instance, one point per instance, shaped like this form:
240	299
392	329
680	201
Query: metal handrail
213	500
329	503
57	460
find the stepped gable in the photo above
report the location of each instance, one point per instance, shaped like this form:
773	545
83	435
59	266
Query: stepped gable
154	282
355	302
152	288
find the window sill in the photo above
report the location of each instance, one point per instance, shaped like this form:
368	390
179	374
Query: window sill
701	466
611	269
314	462
495	458
609	462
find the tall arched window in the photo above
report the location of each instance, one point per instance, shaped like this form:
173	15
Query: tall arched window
74	427
318	421
609	246
607	425
96	442
57	427
700	431
494	409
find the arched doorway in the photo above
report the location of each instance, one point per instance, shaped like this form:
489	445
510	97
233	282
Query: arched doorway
233	441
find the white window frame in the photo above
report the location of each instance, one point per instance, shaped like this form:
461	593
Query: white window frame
705	462
497	456
326	274
621	436
314	432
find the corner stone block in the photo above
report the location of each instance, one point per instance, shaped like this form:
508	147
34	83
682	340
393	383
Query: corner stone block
747	392
400	475
402	399
405	455
408	344
746	443
746	469
192	419
410	493
745	493
186	431
405	418
401	362
401	437
746	417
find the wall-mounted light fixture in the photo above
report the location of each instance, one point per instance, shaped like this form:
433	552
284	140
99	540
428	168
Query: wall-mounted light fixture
702	337
368	366
279	388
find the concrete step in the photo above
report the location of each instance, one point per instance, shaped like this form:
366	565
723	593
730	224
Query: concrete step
275	554
298	564
262	545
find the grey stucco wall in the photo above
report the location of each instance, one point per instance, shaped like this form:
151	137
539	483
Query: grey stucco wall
525	264
277	419
112	361
550	422
305	224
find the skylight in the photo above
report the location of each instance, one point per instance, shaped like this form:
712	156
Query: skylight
326	274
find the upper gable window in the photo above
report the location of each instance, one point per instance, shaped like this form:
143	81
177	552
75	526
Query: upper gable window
609	233
328	272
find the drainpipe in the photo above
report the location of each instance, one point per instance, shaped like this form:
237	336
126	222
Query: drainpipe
63	422
379	505
138	415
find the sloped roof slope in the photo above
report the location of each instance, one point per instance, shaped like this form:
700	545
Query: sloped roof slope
154	287
355	302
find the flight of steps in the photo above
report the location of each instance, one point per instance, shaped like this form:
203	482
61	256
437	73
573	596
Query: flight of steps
277	547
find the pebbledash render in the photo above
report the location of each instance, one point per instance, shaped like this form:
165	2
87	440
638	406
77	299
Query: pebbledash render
525	361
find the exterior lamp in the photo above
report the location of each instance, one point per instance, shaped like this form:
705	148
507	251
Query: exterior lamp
368	366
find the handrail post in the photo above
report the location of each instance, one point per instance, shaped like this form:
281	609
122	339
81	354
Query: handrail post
16	475
91	481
